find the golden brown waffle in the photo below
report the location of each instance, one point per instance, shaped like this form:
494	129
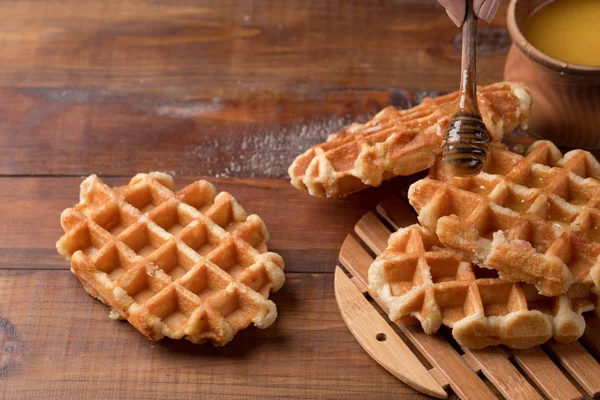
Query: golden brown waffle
400	142
422	281
190	263
534	218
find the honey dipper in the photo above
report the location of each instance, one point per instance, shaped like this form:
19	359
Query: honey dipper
466	139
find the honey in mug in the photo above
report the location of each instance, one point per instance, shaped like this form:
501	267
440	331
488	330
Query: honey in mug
568	30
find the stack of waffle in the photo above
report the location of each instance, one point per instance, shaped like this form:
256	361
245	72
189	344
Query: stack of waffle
509	256
188	264
422	281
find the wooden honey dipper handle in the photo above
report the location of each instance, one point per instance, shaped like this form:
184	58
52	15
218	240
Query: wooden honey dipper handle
466	139
468	79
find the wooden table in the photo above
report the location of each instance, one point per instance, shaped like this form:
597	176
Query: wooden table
229	90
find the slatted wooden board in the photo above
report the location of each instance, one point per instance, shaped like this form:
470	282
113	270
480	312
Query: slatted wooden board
554	370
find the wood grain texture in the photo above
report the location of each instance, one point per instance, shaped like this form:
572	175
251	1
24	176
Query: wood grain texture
61	344
503	374
226	47
581	365
368	229
79	131
545	374
225	88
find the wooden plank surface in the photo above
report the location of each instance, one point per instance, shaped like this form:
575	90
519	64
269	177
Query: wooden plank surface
85	84
84	131
372	233
397	212
222	48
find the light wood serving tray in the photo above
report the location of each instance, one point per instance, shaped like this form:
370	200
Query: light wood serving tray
554	370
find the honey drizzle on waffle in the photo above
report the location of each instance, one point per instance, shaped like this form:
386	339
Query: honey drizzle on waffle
189	264
540	203
422	281
400	142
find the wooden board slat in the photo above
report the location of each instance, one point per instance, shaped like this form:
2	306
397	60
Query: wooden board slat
397	212
367	229
31	208
545	374
360	285
57	342
496	366
465	383
356	259
472	362
440	377
579	363
467	358
438	352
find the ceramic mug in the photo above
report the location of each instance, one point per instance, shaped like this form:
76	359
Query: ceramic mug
566	96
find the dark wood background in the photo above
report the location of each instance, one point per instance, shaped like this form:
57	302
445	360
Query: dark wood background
229	90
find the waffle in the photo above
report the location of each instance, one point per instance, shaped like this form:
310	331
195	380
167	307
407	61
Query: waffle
423	282
188	264
533	218
400	142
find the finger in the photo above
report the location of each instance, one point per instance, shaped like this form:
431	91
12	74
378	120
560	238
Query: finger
486	9
457	21
455	10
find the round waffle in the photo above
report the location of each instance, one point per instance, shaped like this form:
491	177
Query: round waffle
188	264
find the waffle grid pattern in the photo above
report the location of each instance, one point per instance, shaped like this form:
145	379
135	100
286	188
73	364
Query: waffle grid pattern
534	218
399	142
423	282
188	264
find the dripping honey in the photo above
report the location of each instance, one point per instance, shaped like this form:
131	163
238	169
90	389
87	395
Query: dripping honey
568	30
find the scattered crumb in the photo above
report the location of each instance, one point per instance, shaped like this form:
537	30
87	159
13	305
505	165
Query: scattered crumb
261	154
190	110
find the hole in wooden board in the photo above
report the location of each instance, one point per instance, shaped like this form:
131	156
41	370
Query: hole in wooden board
381	337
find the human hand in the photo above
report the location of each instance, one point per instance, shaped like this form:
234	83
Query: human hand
484	9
